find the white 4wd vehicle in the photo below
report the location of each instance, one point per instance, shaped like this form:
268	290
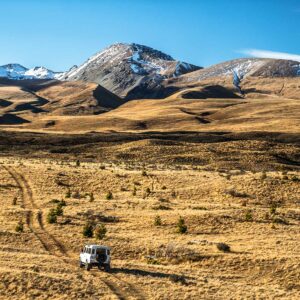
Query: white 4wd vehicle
95	255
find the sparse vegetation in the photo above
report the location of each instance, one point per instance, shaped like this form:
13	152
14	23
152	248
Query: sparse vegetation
68	194
152	260
273	208
178	279
88	230
59	210
109	196
20	227
157	221
181	226
163	200
235	193
161	207
146	237
223	247
263	176
249	216
134	191
100	232
280	220
52	216
92	198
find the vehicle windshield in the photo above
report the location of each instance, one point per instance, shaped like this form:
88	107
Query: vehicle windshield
101	251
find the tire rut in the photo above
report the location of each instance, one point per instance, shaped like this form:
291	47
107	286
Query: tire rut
53	246
128	286
34	216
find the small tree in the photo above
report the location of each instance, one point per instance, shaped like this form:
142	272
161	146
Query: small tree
88	230
181	227
100	231
52	216
109	195
157	221
92	198
68	194
20	227
248	216
14	202
263	176
134	191
59	210
62	203
273	208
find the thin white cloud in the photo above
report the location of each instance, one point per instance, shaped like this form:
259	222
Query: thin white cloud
270	54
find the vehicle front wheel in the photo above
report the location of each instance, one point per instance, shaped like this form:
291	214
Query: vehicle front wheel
81	265
87	266
107	268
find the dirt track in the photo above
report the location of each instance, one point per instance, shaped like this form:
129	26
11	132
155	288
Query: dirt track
35	223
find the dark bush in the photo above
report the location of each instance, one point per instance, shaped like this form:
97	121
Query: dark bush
100	231
88	230
181	227
52	216
109	195
20	227
223	247
157	221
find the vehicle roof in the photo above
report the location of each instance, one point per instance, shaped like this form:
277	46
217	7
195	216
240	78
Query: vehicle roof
97	246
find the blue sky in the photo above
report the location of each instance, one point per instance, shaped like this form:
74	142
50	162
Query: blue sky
61	33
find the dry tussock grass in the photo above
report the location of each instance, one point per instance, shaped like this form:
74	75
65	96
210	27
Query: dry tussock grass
149	261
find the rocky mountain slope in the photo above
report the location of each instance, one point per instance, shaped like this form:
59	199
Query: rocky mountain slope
256	67
247	71
123	68
19	72
133	71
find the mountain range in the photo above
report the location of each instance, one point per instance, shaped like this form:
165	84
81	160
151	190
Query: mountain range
133	71
129	87
19	72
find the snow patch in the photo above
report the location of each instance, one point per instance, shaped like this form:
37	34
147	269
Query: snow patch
18	72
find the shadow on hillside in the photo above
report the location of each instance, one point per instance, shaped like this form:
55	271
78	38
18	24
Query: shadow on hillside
140	272
10	119
212	91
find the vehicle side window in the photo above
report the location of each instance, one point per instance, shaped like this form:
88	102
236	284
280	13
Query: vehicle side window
93	251
89	250
108	252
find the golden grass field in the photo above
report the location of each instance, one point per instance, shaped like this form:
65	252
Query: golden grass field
228	167
75	107
41	262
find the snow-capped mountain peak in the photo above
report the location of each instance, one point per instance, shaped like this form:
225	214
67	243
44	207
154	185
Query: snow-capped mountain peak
19	72
122	67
